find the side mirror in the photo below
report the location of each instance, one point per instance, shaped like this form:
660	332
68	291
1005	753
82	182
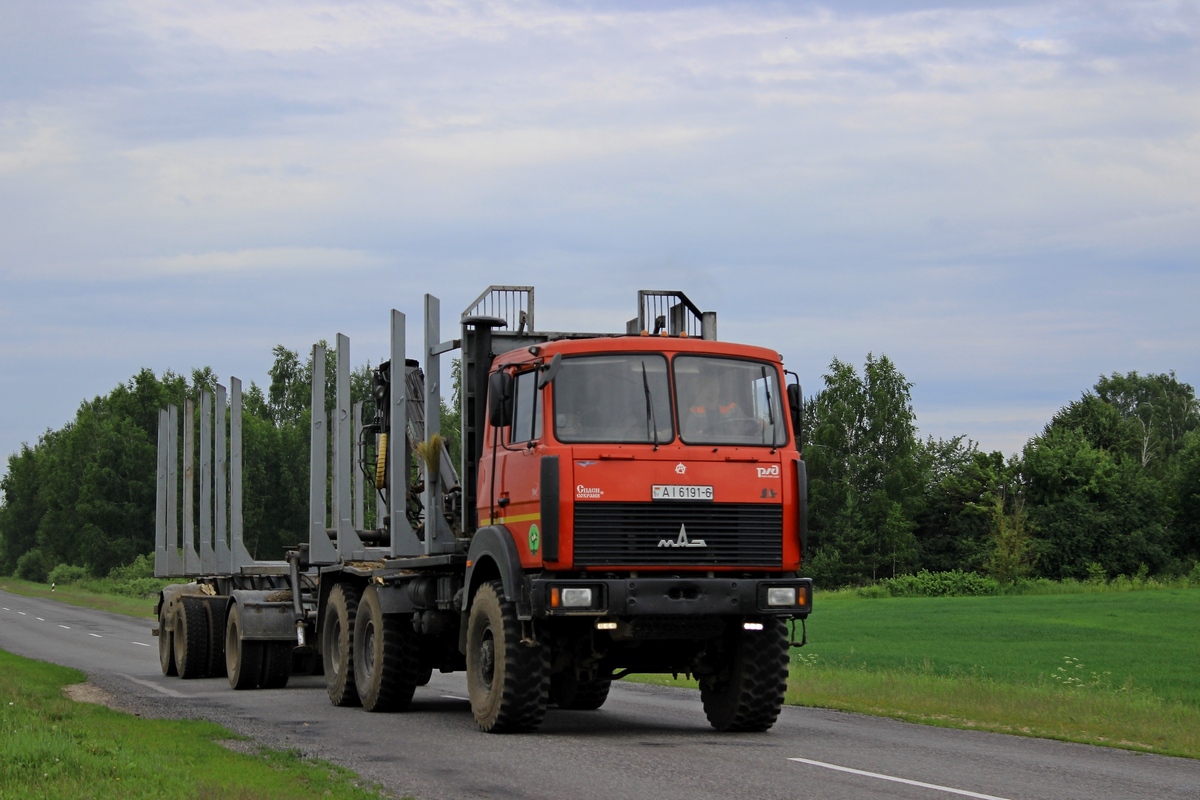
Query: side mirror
549	371
500	399
795	407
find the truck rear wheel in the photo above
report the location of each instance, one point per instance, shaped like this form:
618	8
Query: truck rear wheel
748	692
191	638
243	659
386	662
277	664
166	643
217	611
337	644
569	692
508	680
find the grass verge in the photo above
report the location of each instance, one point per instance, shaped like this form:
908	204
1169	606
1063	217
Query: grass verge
53	747
77	595
1131	720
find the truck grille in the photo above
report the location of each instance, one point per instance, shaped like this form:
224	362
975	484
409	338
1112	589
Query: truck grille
633	534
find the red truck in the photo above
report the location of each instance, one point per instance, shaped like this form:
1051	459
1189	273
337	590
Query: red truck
628	503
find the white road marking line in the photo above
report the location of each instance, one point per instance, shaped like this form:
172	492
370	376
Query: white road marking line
39	619
22	613
154	686
67	627
98	636
894	779
456	697
140	644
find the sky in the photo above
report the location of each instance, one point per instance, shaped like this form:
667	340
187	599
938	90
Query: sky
1002	197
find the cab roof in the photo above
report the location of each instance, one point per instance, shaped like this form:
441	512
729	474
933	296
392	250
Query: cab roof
667	345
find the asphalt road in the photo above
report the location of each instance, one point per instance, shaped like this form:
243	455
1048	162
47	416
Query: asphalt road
650	742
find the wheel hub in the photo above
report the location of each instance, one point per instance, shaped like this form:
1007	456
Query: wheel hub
487	661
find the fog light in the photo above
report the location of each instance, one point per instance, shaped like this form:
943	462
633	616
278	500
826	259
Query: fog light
752	626
577	598
606	625
781	596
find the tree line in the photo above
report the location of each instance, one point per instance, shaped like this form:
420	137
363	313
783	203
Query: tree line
1110	486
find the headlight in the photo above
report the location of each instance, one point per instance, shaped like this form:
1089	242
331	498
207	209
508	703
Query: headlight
572	597
781	596
577	598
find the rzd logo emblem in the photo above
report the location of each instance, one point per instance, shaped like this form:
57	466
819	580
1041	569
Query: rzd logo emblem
682	540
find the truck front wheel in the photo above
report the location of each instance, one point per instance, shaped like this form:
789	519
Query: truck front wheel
508	680
748	689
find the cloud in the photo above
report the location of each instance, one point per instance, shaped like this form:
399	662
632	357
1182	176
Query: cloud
1000	196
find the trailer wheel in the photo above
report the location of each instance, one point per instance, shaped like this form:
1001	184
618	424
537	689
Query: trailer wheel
508	680
218	610
569	692
166	643
747	694
277	664
337	645
243	659
386	659
191	638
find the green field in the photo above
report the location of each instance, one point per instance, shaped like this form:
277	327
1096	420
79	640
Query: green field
54	747
1114	669
1145	641
1108	668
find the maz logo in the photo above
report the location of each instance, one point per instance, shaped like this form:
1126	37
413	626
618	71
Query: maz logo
769	472
682	540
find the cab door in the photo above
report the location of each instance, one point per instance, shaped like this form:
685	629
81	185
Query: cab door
518	469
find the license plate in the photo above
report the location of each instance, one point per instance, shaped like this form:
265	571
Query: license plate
661	492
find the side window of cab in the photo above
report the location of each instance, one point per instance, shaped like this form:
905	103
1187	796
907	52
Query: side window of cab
527	408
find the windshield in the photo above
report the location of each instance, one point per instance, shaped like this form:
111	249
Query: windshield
728	401
613	398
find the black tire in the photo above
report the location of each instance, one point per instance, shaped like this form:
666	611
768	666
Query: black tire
748	692
166	643
243	659
277	664
337	644
508	681
567	691
191	638
218	609
424	674
307	662
386	657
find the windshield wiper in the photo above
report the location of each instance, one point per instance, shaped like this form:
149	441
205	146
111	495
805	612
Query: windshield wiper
770	408
650	421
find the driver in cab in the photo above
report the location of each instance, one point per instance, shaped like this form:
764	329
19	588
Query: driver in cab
712	412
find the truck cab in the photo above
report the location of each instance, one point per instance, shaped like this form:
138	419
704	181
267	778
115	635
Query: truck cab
643	500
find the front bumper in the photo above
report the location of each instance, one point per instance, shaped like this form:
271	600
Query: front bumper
669	596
